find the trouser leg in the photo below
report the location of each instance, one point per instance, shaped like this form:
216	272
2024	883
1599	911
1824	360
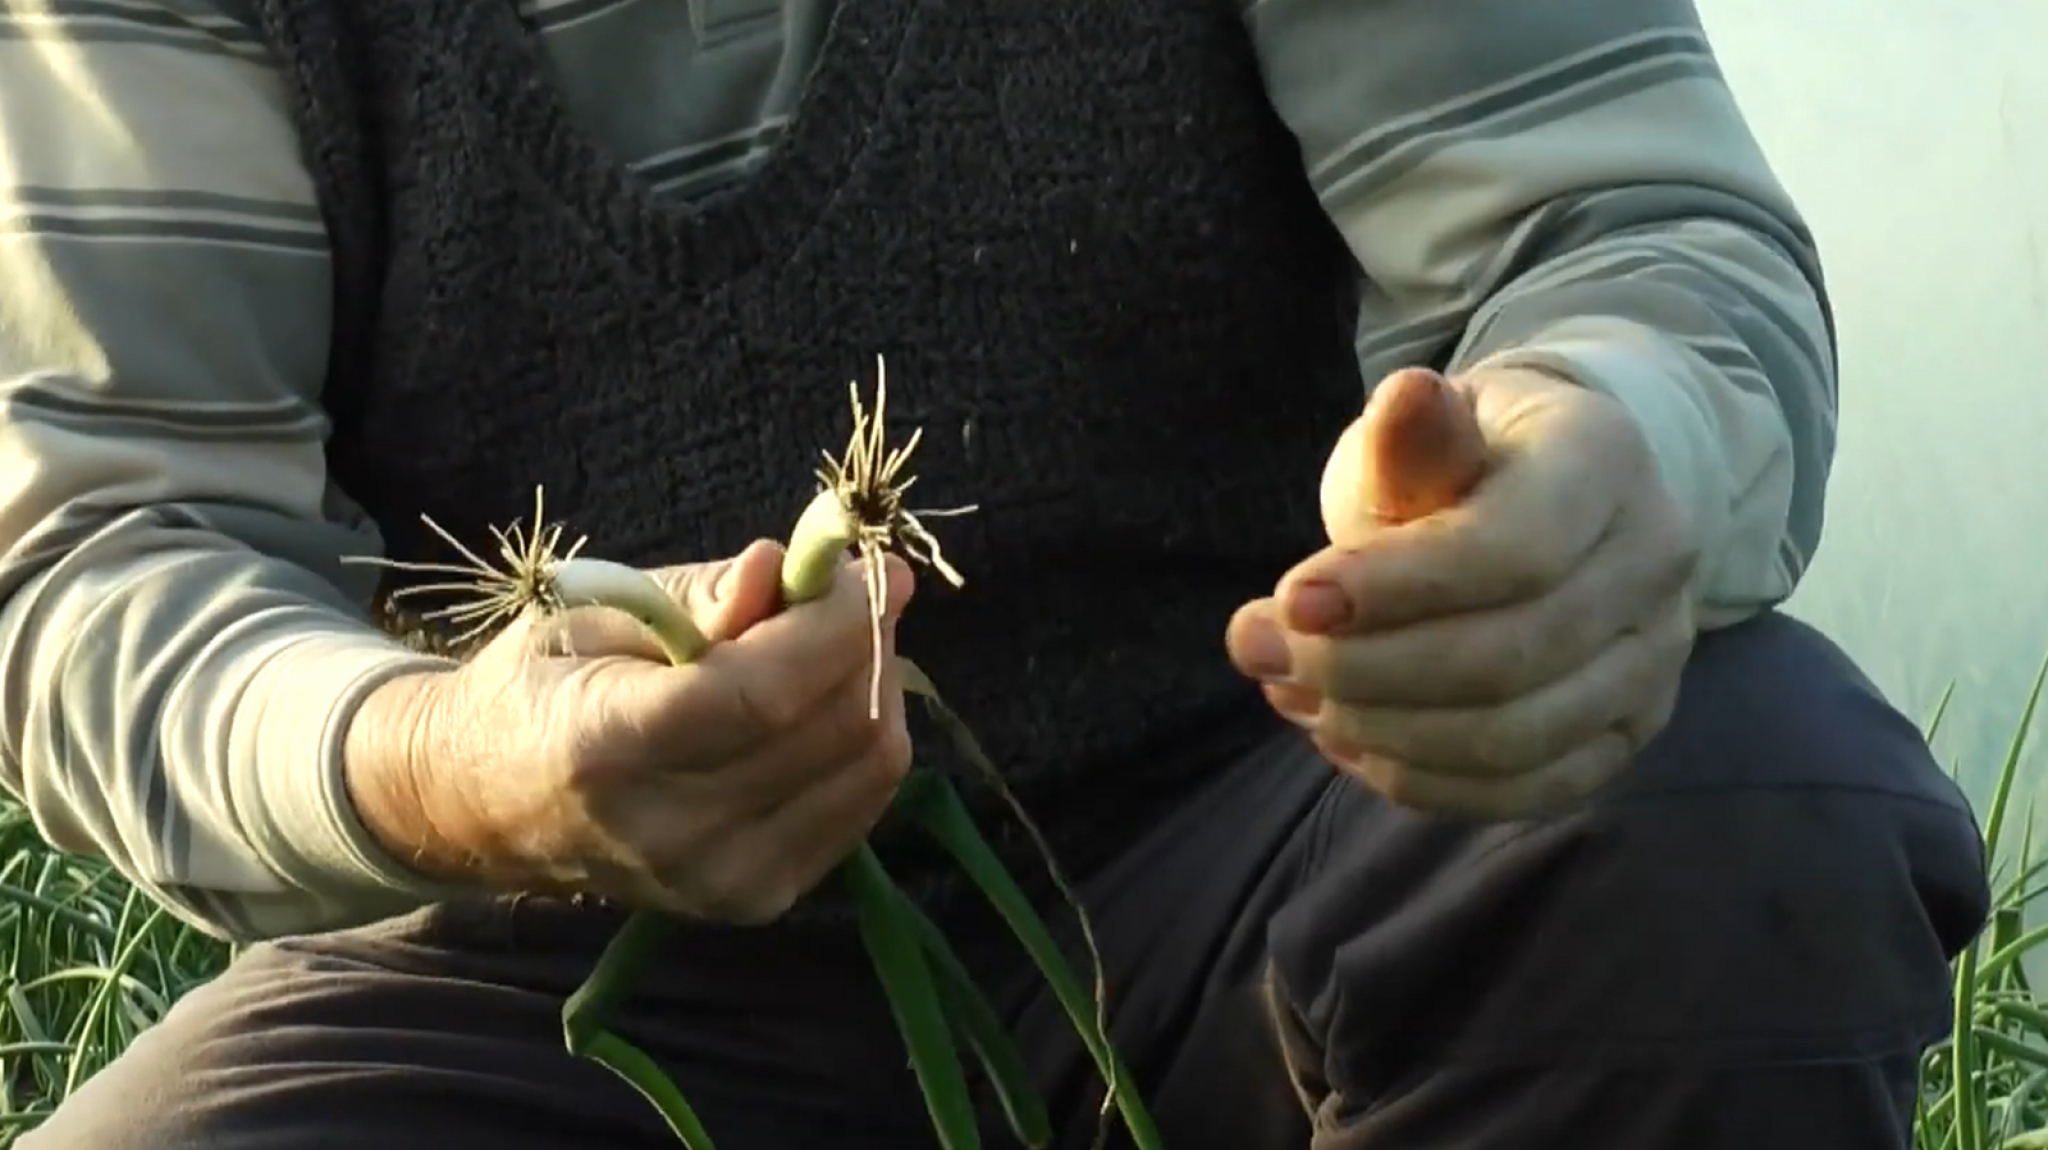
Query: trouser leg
1741	945
444	1029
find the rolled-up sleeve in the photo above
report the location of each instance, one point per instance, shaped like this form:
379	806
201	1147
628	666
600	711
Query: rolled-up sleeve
1573	187
180	645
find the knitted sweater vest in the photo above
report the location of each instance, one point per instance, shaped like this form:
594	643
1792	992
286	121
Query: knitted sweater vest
1076	229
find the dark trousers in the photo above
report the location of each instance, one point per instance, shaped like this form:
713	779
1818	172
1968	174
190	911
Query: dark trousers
1740	946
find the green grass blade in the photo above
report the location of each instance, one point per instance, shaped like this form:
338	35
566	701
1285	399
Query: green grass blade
591	1008
2001	1043
1964	1057
1994	821
945	818
2011	953
2012	911
641	1072
906	978
1976	1080
978	1025
2019	1117
2021	1013
916	682
587	1015
1932	726
69	916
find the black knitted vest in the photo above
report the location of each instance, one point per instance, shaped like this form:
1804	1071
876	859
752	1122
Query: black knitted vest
1076	229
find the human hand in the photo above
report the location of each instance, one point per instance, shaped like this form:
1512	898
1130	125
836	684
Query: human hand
568	757
1494	653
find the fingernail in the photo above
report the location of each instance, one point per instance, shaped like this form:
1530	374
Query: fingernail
1262	652
1316	606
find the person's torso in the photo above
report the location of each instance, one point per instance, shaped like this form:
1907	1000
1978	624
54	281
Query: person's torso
634	252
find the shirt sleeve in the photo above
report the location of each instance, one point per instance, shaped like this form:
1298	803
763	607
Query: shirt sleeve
180	645
1572	187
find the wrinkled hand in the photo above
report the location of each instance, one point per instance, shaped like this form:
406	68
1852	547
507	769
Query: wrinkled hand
1505	610
568	757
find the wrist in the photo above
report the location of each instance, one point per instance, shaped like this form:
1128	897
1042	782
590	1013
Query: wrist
406	786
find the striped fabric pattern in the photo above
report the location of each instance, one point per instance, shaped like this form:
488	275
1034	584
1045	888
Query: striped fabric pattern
1569	186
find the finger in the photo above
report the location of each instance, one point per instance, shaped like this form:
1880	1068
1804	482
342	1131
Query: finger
1550	790
1524	732
740	692
1492	656
1298	705
1658	705
786	851
728	597
1256	642
768	773
745	771
764	870
817	812
1517	535
767	679
1416	450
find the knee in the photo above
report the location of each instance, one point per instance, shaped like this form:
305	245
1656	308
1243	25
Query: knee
1785	768
1788	857
1772	702
1785	874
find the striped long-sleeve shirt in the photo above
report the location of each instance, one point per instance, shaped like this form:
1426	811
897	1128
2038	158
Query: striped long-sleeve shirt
1561	184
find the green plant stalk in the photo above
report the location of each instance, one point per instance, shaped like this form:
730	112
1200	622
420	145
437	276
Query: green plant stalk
936	806
938	810
821	537
817	544
1987	958
2009	919
103	995
2001	796
899	960
2008	956
592	582
2018	1104
2012	1048
623	958
978	1025
1959	1107
645	1076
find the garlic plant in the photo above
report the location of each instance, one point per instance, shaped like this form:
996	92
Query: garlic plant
860	508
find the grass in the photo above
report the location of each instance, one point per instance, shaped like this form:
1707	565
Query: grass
86	964
1986	1088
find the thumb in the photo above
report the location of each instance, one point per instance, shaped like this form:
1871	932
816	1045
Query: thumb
727	597
1417	449
723	597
